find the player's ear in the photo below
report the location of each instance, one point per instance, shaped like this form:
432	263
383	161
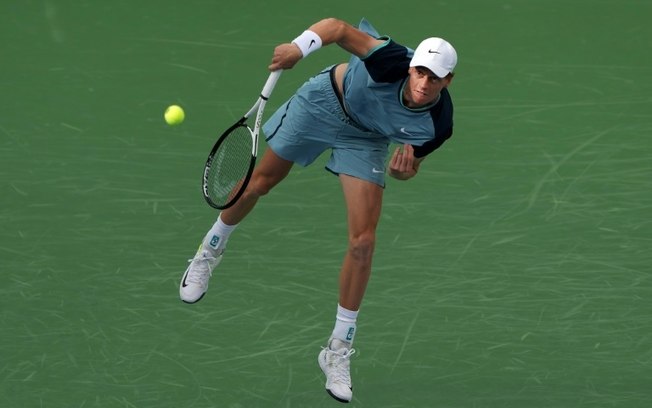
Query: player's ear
448	79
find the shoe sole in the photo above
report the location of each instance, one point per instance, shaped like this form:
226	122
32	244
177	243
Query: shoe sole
335	397
192	303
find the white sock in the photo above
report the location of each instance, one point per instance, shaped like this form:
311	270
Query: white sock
218	235
345	325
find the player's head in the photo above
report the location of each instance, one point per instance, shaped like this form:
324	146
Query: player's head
436	54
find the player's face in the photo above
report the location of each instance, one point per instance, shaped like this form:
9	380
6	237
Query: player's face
423	87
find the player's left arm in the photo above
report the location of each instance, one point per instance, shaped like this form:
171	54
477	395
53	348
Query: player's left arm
403	165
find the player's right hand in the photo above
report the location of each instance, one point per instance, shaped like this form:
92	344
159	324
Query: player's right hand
285	57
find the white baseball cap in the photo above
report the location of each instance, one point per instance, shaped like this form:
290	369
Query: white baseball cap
436	54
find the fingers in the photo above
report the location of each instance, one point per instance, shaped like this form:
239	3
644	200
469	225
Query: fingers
403	161
285	57
393	162
408	155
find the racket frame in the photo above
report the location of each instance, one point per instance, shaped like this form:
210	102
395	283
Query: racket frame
259	108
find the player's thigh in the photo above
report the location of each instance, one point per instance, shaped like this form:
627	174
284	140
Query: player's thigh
271	170
363	203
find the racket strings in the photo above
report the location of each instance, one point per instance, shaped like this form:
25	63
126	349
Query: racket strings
231	166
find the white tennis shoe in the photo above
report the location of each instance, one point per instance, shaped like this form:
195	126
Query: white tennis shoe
335	362
194	283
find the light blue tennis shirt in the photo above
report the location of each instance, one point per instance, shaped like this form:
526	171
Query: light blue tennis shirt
373	88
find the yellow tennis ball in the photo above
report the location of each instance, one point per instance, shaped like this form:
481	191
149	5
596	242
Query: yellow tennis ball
174	115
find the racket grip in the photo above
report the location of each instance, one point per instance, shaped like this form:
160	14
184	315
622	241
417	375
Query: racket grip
270	84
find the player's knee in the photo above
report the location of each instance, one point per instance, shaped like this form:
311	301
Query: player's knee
260	186
362	246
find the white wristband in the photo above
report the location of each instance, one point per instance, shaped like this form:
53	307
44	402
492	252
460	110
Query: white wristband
308	42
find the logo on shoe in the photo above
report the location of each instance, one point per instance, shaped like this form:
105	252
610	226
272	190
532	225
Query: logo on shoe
214	241
185	275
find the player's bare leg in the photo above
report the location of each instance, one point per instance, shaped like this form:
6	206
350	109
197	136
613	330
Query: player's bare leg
269	172
363	202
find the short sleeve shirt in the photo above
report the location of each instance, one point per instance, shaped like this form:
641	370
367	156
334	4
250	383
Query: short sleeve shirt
373	88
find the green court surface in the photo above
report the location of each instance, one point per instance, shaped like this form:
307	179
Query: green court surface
513	272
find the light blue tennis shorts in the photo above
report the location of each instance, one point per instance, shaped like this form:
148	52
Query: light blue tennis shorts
313	121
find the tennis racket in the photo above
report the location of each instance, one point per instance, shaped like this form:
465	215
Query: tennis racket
231	162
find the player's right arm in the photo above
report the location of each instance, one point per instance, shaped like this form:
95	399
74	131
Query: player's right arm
329	30
332	30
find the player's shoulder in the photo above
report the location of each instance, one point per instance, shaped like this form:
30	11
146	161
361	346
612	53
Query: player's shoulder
443	107
389	62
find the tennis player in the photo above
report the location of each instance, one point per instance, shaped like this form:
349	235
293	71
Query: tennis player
385	93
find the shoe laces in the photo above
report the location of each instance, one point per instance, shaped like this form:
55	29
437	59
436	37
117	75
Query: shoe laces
201	268
339	361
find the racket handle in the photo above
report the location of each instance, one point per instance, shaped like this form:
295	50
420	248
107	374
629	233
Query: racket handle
270	84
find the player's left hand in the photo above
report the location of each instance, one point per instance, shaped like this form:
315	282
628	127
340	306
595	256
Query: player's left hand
402	164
